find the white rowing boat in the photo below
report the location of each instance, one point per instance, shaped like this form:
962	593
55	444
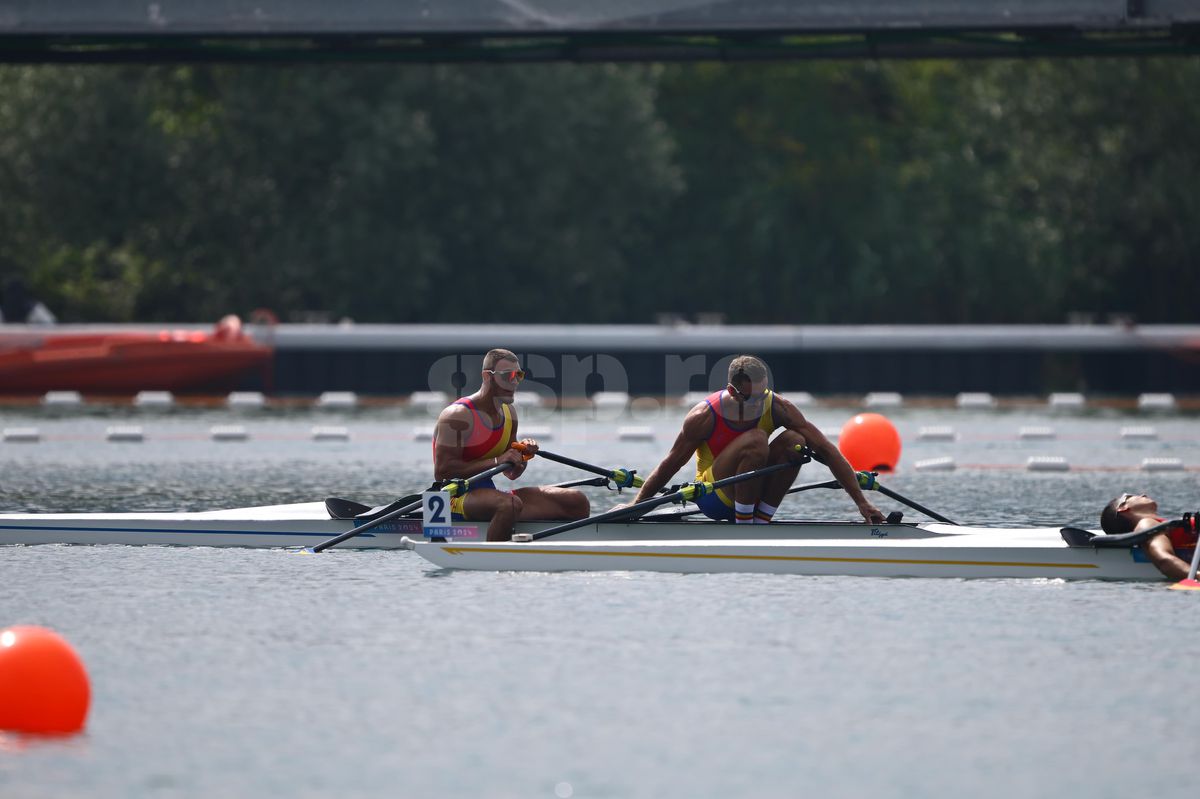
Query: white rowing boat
669	544
306	524
931	550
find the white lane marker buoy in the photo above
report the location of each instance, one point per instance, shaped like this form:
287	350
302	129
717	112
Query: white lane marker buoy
337	399
944	464
246	399
1047	463
22	435
330	433
937	433
1156	402
124	433
228	432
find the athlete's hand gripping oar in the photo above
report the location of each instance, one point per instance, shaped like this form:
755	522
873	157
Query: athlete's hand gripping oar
689	491
454	487
622	478
867	482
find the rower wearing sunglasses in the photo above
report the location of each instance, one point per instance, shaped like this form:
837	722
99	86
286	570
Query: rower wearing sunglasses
476	433
729	433
1169	550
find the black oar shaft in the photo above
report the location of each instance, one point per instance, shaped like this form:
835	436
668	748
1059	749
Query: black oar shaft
639	508
887	492
826	484
387	517
346	536
612	474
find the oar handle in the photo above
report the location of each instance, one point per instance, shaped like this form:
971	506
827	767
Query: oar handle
455	488
687	492
624	478
867	482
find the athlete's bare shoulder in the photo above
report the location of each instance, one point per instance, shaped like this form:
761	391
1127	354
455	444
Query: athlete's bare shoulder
785	409
698	423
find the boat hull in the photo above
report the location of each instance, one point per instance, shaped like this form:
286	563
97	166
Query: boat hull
967	556
669	544
305	524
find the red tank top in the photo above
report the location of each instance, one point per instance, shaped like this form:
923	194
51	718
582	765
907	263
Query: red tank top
724	433
1183	537
483	440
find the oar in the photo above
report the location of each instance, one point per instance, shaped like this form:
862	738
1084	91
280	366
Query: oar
454	487
867	482
685	493
349	509
624	478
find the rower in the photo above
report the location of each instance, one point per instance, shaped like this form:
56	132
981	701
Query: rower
476	433
730	431
1131	513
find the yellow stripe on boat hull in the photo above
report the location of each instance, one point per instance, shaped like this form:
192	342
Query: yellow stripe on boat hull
793	558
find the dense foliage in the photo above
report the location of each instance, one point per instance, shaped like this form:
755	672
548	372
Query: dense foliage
1003	191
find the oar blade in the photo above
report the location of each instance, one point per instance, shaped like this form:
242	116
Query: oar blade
1186	584
370	514
339	508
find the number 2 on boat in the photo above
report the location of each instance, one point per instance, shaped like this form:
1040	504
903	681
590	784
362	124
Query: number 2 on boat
435	513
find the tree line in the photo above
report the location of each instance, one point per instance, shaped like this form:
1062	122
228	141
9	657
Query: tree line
804	192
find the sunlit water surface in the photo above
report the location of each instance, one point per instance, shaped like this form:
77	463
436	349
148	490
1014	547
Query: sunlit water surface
263	673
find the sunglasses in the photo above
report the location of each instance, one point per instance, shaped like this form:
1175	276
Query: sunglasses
744	396
511	375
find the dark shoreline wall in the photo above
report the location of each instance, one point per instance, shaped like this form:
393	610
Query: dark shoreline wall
666	361
662	360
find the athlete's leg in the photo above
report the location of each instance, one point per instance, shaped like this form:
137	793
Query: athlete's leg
551	503
782	449
745	453
501	507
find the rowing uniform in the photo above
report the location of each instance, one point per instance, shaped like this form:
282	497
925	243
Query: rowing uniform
1183	539
719	505
484	441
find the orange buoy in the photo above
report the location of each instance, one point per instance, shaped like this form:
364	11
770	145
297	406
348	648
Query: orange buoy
43	684
870	442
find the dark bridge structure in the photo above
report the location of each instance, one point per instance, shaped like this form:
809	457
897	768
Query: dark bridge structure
515	31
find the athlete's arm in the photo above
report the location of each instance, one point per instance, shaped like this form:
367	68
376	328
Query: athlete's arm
514	457
450	436
697	426
826	452
1160	552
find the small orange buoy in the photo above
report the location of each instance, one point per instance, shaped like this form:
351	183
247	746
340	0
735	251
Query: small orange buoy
43	685
870	442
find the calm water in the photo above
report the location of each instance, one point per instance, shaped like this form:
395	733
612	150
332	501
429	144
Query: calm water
261	673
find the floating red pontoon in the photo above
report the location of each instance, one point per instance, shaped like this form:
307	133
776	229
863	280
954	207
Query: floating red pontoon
179	361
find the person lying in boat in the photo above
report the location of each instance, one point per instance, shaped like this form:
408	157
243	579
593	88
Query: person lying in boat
1131	513
729	432
476	433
